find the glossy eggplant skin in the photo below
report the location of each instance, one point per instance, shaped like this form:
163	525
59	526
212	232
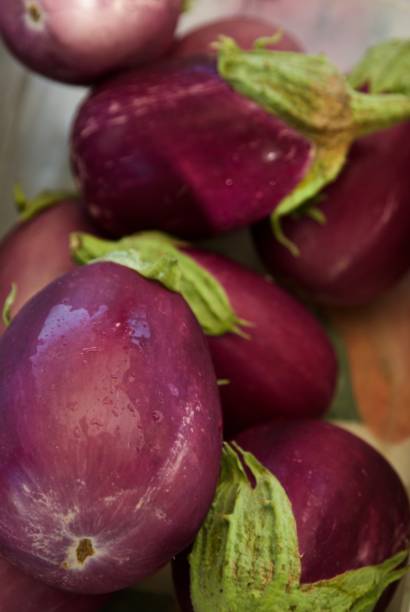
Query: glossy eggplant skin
285	368
245	30
110	435
80	41
351	508
363	247
174	148
21	593
36	252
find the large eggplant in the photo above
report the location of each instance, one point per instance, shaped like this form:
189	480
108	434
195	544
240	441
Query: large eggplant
110	434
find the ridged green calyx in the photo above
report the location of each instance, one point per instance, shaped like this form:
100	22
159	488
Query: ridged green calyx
28	209
158	257
310	94
246	558
385	68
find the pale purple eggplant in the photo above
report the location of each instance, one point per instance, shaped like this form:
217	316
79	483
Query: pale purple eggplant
36	252
361	247
350	506
110	435
80	42
244	29
174	148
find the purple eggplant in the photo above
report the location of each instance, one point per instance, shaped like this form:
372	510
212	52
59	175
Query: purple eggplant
110	419
244	29
174	148
21	593
196	146
286	367
37	252
362	246
349	508
79	41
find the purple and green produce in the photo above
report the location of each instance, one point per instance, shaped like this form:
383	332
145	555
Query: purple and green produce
110	415
267	348
245	30
128	354
312	540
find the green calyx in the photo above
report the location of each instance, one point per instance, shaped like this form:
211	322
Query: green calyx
158	257
385	68
28	209
312	96
8	305
246	559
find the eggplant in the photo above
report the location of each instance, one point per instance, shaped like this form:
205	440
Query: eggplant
272	354
36	252
198	147
80	42
110	435
361	248
310	517
283	366
21	593
243	28
173	148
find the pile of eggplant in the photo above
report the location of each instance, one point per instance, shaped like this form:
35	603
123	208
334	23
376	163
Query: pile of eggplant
161	402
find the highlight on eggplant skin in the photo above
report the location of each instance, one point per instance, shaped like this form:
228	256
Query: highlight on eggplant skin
80	42
110	419
36	252
245	30
362	247
174	148
350	506
285	366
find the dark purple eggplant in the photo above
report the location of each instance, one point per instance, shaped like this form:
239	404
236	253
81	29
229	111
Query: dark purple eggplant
198	147
79	41
362	246
110	433
37	252
334	508
174	148
285	367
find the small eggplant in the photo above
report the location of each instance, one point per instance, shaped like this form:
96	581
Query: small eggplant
81	41
361	248
321	523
